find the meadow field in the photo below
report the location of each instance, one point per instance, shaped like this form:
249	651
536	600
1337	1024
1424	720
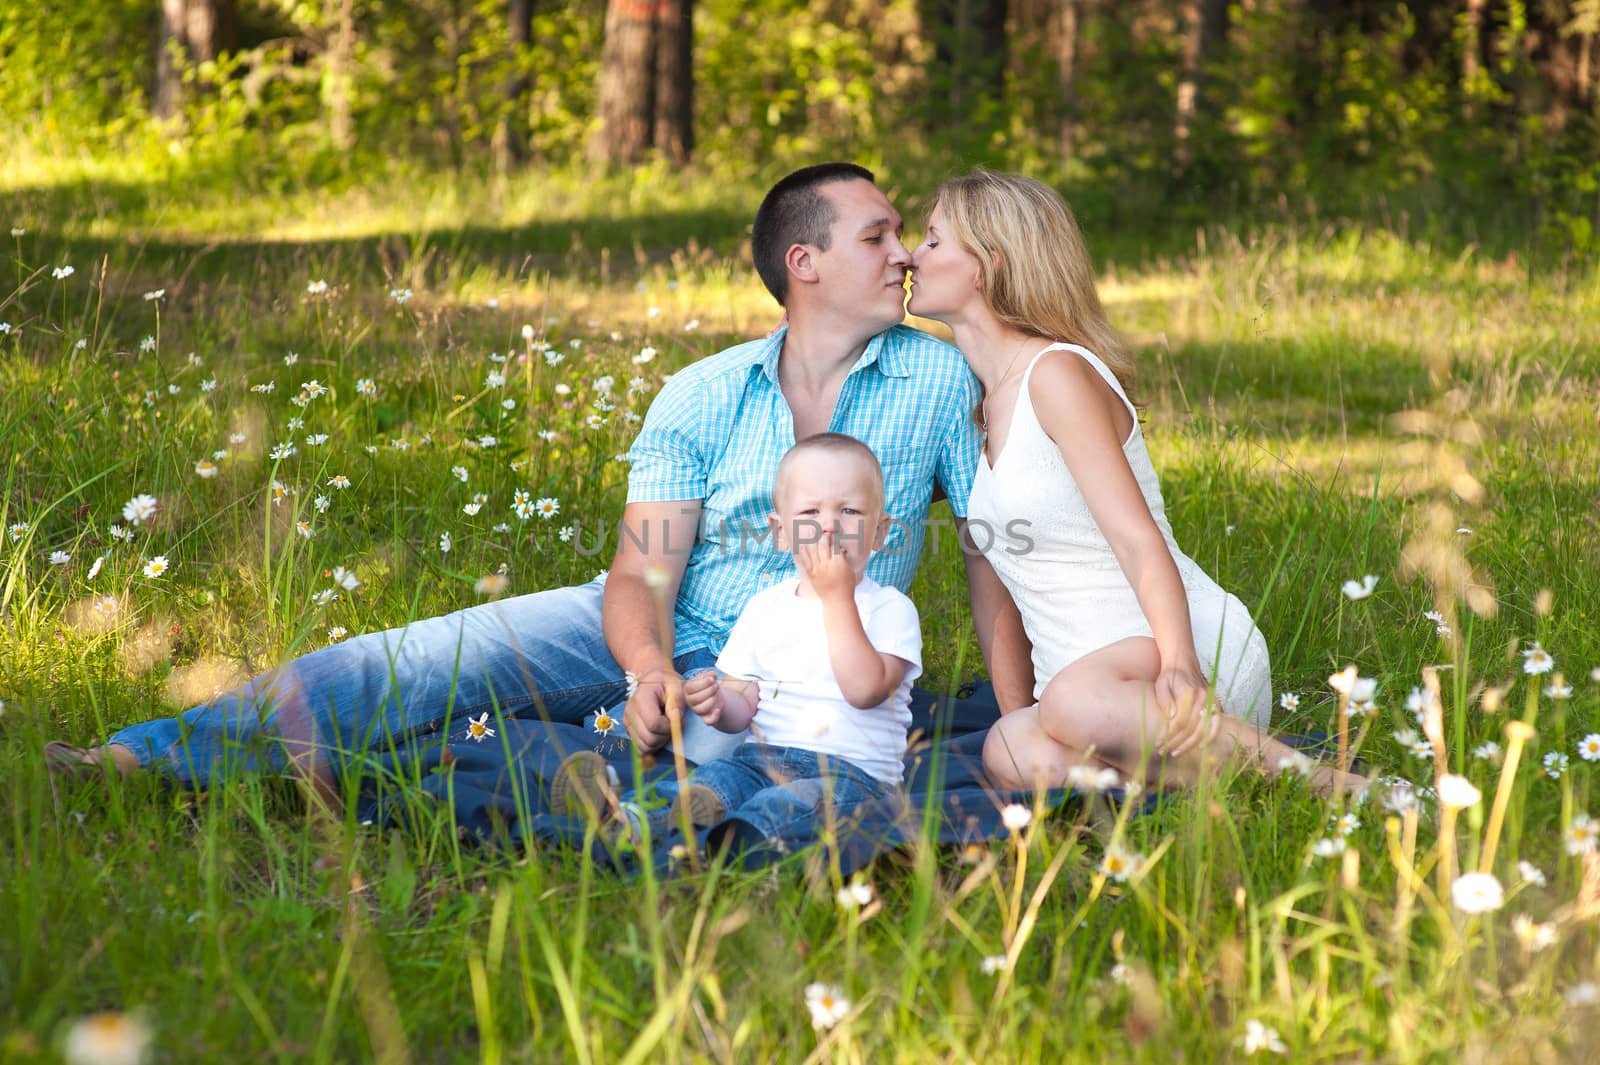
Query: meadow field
349	407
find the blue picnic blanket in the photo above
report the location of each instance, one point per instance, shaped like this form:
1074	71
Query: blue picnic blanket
499	791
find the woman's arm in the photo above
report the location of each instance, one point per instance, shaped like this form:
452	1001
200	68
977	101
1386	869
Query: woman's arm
1089	423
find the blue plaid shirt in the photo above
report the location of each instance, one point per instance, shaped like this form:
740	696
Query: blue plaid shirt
717	429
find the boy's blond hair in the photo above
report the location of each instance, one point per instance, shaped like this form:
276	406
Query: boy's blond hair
838	444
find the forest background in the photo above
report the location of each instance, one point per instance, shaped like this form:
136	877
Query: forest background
1151	109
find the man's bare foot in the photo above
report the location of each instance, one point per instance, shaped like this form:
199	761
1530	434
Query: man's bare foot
1325	780
65	758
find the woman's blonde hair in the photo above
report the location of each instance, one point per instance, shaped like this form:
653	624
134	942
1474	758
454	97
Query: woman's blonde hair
1036	274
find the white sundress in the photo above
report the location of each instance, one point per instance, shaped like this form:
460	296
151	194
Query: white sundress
1067	583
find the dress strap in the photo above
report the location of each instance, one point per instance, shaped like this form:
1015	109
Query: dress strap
1093	360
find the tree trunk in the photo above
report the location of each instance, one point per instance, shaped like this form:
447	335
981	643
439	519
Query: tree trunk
339	79
627	88
192	31
970	46
1205	29
674	81
1472	53
511	141
1064	44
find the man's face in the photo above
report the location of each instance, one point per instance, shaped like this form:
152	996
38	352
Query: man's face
862	274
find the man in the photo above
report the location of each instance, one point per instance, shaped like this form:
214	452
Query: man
827	245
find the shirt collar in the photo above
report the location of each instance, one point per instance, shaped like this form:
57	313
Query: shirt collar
882	351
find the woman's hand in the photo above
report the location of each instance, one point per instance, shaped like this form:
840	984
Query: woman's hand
1182	693
704	696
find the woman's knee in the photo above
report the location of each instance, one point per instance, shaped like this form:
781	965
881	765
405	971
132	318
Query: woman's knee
1018	756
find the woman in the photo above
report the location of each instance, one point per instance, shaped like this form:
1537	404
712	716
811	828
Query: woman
1126	630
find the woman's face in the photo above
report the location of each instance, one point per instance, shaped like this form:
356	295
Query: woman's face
944	275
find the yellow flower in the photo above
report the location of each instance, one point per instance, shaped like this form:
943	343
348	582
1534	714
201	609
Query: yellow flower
478	728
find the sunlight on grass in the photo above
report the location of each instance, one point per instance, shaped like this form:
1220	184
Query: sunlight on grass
349	414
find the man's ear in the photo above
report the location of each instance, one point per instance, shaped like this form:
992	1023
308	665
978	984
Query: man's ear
779	539
801	263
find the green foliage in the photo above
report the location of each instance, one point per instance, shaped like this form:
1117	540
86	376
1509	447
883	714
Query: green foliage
1312	391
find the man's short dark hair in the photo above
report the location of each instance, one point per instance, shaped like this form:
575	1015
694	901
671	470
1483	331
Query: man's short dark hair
795	212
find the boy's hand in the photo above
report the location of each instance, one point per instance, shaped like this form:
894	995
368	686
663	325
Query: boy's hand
829	571
704	696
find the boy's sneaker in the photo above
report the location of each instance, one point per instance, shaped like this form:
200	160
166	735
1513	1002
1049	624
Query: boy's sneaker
705	809
582	787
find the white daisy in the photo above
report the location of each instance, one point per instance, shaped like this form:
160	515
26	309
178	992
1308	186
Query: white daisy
339	481
1531	874
1119	863
337	633
1555	764
994	963
17	530
1582	835
1259	1038
205	469
365	386
547	507
854	896
444	543
1357	590
827	1004
345	578
156	566
478	728
107	1038
1289	701
459	473
1015	816
60	558
494	379
1475	893
140	509
1536	660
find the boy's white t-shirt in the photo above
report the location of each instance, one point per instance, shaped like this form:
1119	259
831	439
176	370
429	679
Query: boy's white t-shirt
779	641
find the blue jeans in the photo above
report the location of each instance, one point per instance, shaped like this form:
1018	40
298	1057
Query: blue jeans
774	787
539	656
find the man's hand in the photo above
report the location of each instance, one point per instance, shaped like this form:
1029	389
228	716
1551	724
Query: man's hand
704	696
828	569
1181	691
646	713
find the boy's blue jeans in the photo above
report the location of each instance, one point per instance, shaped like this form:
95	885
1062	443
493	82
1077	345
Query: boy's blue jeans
539	656
773	787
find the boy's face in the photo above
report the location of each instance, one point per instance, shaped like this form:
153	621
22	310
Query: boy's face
822	492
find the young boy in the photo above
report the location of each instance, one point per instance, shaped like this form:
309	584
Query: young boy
818	667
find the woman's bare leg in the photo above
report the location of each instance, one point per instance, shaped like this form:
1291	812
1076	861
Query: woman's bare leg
1105	702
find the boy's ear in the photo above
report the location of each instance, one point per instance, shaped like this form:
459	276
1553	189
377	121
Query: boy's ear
779	540
881	533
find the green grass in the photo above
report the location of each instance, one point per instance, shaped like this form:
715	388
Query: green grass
1323	403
